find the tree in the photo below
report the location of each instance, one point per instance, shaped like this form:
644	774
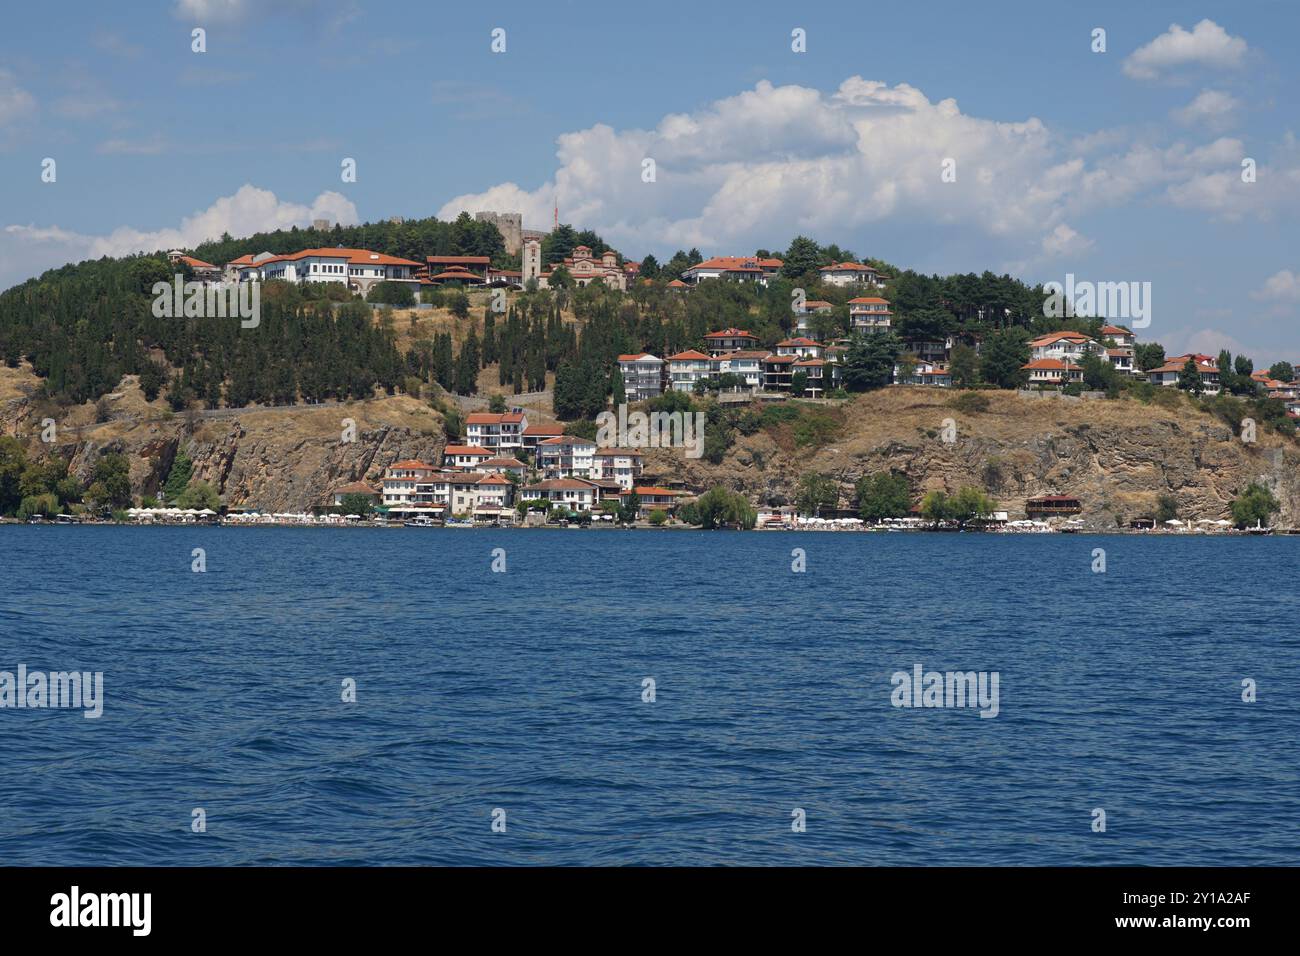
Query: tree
969	503
869	361
497	403
883	495
718	507
799	382
1256	504
392	293
110	485
618	391
658	517
1282	371
459	304
629	507
934	506
1098	374
178	477
963	366
198	496
816	492
1189	378
354	504
649	268
1148	355
13	462
1166	509
803	256
1005	353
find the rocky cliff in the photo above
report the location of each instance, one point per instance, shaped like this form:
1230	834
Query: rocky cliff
1116	456
269	459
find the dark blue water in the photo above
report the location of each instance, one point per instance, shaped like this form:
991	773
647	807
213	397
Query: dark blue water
522	691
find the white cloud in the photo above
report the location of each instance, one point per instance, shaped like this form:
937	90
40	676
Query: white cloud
15	101
1064	241
1283	286
1206	45
754	169
29	250
1212	109
204	12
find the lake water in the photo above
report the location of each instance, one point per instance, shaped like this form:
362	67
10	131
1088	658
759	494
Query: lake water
523	691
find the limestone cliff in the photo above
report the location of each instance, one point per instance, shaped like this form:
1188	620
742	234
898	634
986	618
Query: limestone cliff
269	459
1116	456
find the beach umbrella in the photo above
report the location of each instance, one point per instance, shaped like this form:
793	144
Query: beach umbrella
1174	521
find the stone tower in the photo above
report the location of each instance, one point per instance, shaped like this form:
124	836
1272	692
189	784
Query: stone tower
509	224
532	260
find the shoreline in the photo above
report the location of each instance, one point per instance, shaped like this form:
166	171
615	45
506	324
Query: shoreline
370	525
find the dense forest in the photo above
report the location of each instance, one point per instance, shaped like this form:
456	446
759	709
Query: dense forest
84	326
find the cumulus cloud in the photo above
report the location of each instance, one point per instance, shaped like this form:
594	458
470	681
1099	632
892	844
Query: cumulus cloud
1212	109
1283	286
753	169
1206	45
27	250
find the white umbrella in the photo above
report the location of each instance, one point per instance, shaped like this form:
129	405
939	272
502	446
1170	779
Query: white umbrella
1173	521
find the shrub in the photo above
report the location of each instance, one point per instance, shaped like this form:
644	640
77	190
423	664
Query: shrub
969	402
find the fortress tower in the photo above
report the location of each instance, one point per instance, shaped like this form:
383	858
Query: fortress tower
509	224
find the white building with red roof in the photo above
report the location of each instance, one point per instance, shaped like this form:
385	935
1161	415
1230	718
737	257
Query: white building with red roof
400	481
1169	373
500	433
572	493
203	271
734	268
687	368
643	375
1065	346
622	465
533	435
464	457
870	313
729	340
850	274
357	269
567	456
1051	371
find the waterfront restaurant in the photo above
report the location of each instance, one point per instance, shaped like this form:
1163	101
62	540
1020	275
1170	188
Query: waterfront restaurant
1052	506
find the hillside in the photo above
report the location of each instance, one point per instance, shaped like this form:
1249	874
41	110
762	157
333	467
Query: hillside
284	459
1117	457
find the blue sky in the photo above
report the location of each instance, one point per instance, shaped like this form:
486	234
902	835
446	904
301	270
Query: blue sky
1123	165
